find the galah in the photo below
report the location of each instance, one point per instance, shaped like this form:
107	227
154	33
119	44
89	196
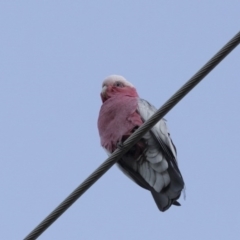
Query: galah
152	162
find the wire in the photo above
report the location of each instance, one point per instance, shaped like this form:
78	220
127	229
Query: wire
135	137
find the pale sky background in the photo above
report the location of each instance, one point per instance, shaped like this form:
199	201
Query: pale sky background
53	58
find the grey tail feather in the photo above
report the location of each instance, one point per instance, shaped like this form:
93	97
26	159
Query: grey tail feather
176	203
163	201
171	193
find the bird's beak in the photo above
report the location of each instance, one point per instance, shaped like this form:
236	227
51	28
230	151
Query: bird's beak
104	92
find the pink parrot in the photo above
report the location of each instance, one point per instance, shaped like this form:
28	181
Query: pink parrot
152	162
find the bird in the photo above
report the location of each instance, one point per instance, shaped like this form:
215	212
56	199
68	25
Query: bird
152	161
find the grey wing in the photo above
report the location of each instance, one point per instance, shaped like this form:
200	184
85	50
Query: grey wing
160	170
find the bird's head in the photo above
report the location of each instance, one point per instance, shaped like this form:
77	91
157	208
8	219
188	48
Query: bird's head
117	85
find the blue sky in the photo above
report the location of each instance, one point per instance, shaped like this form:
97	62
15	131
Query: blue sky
53	58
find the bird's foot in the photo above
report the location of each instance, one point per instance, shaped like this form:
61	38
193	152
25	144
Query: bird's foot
119	145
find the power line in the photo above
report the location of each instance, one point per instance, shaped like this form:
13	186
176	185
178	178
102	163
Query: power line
135	137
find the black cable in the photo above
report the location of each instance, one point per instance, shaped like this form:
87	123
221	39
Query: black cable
135	137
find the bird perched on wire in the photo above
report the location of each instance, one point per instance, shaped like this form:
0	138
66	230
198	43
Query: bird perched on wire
152	162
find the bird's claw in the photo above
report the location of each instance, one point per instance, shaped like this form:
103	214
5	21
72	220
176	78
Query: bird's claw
119	145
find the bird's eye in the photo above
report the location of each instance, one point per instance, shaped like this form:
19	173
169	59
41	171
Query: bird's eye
118	84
